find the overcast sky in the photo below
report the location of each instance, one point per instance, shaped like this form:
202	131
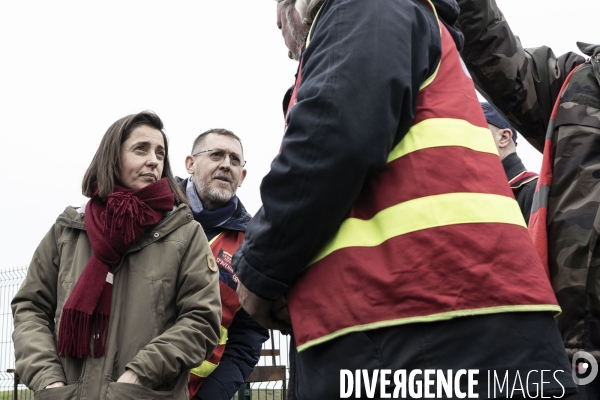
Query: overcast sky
69	69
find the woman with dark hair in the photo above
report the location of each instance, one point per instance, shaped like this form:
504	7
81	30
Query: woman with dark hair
121	297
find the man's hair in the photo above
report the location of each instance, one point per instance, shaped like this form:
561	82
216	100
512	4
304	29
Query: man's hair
106	164
218	131
308	9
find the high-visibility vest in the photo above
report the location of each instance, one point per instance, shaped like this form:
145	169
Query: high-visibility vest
223	247
436	235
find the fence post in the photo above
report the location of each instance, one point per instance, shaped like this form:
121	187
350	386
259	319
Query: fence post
244	392
16	383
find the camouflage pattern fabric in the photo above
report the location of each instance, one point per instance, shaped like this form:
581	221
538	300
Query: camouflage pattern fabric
524	85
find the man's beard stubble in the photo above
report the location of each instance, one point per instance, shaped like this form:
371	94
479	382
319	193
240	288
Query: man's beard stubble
298	36
213	195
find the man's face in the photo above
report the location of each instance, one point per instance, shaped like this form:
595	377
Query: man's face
216	181
293	30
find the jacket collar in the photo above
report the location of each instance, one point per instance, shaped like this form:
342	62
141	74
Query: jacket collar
237	222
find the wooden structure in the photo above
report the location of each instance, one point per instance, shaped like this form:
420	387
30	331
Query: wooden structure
267	373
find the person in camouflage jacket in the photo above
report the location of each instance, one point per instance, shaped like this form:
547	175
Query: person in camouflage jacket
524	85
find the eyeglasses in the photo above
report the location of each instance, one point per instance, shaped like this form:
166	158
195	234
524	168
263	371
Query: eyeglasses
217	155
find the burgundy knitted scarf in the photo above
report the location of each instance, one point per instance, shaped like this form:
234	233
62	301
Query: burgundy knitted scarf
111	226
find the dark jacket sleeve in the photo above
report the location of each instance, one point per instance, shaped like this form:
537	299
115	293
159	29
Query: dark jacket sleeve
525	199
361	77
244	342
522	84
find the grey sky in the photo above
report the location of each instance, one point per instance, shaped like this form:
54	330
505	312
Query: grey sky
71	68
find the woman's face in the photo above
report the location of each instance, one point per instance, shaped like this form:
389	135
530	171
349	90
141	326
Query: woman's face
142	158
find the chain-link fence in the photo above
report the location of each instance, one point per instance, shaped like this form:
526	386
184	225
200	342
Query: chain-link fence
275	351
10	280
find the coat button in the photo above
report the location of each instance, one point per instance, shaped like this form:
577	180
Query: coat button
156	234
189	216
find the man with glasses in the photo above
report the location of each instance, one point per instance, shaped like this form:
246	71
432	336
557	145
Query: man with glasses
216	166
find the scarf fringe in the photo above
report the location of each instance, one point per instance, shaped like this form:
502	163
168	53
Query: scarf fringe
126	211
75	339
77	325
74	334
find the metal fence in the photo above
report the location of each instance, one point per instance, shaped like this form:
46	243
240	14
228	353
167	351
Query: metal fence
10	280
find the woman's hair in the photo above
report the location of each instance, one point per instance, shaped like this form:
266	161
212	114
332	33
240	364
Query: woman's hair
106	164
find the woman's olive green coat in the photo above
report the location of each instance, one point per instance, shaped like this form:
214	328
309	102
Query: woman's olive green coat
164	319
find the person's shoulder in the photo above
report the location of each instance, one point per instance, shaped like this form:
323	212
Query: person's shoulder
72	217
179	225
584	86
180	215
69	224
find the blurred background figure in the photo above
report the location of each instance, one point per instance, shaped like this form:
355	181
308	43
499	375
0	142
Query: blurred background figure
521	181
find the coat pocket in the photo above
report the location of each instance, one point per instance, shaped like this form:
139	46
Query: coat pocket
68	392
128	391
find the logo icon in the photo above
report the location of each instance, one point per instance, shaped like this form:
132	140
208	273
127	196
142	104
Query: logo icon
584	363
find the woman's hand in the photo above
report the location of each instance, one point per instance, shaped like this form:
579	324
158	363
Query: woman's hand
55	385
129	377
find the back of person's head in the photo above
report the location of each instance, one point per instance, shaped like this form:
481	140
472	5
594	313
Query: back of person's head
216	131
493	117
106	164
308	9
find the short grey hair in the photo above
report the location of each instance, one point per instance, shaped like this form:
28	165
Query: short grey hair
307	9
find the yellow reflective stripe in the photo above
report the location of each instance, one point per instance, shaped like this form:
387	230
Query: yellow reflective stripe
204	370
435	13
224	333
441	132
431	78
213	239
431	318
424	213
312	26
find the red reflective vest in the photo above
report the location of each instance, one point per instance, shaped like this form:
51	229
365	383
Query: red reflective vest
223	247
436	235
